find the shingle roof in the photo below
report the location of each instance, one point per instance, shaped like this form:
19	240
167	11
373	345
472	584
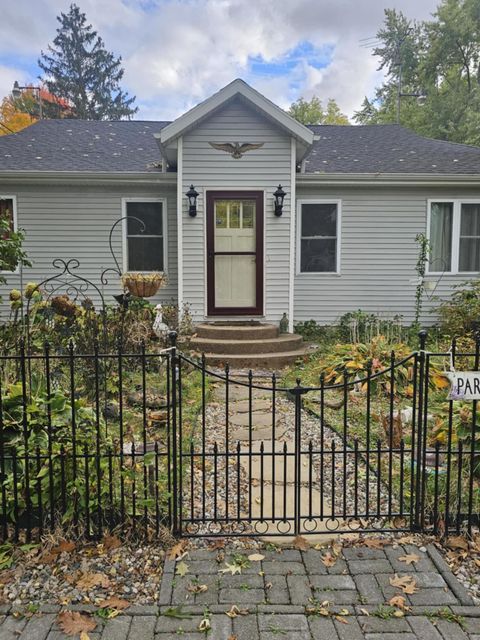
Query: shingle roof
82	145
386	148
130	146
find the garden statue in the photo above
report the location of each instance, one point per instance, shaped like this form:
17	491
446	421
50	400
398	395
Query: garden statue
284	324
159	327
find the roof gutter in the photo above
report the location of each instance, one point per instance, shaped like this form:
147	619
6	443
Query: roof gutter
84	177
387	179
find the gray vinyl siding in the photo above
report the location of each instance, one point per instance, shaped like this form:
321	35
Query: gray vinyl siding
378	255
74	222
258	170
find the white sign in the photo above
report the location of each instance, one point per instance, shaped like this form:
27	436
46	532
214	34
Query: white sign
465	385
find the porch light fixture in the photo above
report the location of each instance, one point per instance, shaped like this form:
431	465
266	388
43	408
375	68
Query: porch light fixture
279	195
192	196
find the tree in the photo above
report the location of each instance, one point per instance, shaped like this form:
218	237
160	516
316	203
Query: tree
312	112
12	119
439	58
81	71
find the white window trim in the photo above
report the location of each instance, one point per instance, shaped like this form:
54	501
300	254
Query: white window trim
301	202
15	226
125	201
457	204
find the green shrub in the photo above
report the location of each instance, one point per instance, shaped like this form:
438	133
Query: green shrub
460	315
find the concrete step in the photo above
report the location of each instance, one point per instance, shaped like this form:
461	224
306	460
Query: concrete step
268	361
284	342
236	330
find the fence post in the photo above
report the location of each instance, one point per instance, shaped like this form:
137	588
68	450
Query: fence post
173	402
298	391
419	470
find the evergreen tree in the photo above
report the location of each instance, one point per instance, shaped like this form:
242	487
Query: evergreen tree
78	68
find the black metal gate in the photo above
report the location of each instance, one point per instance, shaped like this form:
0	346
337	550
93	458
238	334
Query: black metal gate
97	441
354	455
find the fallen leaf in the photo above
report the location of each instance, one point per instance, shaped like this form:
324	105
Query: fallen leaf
409	558
256	557
84	636
64	547
397	601
197	588
176	550
231	568
73	623
111	542
181	569
406	583
301	543
365	612
398	613
114	603
341	619
235	612
91	580
457	542
375	543
232	637
218	544
328	559
204	625
344	612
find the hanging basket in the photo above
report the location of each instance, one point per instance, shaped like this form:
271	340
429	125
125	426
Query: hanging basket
143	285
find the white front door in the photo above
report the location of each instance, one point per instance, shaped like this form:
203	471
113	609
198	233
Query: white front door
233	254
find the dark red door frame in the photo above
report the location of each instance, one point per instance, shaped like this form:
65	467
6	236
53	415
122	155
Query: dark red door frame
212	310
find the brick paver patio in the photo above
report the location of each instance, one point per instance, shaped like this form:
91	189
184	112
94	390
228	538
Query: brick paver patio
277	598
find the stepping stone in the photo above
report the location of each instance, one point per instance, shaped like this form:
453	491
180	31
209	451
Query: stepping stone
239	392
242	406
268	468
260	419
258	433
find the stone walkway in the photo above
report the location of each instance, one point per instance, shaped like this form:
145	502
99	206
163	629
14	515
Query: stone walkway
288	594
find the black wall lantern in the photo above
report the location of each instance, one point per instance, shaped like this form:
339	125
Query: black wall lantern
192	196
279	195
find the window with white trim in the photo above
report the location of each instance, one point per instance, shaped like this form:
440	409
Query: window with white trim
8	213
7	210
145	235
319	237
454	234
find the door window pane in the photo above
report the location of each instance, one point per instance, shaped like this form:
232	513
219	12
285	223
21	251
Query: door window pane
234	215
469	251
248	215
221	215
441	220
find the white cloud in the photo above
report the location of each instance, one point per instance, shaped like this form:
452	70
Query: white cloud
177	52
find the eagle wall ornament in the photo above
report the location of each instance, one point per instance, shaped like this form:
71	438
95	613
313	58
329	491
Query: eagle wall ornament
236	150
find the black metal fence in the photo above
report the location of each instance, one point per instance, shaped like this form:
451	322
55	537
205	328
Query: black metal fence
146	440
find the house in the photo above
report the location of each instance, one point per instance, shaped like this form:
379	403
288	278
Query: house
344	239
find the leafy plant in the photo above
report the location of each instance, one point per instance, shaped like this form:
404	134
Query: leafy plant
424	249
460	315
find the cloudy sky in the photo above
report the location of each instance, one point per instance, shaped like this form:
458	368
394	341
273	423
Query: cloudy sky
177	52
